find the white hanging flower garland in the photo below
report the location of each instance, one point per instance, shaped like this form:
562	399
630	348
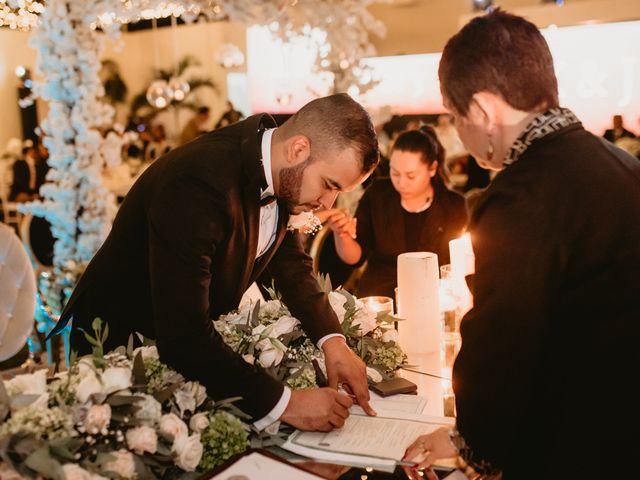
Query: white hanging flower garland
69	43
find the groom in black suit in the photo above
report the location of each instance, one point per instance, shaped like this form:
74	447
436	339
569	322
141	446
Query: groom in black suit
198	228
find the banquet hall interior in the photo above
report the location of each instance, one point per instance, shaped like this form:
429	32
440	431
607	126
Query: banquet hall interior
100	95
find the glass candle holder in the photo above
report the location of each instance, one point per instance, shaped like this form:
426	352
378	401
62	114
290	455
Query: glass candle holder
378	304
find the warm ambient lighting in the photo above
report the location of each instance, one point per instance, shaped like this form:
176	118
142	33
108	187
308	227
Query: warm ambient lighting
378	304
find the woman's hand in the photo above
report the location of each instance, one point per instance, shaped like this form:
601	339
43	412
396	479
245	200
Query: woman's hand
343	224
431	447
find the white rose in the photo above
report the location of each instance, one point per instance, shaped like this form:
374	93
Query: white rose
116	378
199	422
187	452
172	427
337	302
88	386
122	464
374	375
270	308
199	392
185	399
27	384
74	471
365	319
84	368
147	352
149	411
270	357
249	358
390	335
284	325
98	418
142	439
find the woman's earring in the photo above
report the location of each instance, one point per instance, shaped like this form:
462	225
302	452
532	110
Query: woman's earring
490	149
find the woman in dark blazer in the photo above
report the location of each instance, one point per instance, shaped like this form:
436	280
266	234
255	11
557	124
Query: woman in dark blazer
411	211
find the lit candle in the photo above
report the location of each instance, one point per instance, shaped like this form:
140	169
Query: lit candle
462	264
378	304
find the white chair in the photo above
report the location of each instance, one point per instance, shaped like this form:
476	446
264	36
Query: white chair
10	209
17	295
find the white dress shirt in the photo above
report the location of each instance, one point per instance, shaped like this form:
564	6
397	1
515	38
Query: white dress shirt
266	237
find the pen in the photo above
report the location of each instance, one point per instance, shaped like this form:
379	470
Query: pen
405	463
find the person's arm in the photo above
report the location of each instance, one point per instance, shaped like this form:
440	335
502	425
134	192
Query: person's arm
344	237
292	270
353	236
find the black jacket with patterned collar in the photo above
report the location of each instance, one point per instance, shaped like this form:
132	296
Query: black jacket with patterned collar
545	378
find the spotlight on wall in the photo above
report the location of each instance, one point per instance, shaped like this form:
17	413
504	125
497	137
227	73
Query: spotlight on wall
482	4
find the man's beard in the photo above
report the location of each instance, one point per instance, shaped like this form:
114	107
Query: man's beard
291	185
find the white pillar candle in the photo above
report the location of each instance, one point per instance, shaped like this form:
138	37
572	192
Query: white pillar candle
418	277
462	264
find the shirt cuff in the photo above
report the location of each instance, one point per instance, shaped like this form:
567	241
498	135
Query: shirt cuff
277	411
327	337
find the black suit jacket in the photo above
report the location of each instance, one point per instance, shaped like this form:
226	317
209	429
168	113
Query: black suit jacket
610	134
550	349
182	251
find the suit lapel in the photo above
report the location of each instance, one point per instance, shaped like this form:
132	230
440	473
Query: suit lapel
263	261
254	181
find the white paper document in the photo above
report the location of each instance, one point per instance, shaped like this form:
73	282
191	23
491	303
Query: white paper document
389	406
378	442
258	467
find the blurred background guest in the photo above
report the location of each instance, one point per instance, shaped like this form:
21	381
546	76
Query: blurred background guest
230	116
618	131
159	144
28	174
411	211
196	126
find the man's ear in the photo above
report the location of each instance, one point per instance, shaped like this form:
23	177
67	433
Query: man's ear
299	150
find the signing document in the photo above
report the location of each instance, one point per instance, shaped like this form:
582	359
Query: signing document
378	442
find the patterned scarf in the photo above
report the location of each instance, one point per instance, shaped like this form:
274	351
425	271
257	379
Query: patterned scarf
548	122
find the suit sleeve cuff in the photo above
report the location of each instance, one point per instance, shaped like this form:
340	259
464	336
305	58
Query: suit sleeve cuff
275	413
327	337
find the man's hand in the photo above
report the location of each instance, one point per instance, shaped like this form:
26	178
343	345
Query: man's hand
321	409
431	447
344	366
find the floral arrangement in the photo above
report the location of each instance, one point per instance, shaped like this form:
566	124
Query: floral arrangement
120	415
267	334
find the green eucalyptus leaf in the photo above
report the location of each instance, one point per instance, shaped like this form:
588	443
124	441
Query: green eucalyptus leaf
42	462
139	376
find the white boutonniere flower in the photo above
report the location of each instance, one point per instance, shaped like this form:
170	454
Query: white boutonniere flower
305	222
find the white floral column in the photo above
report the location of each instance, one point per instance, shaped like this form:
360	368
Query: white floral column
76	204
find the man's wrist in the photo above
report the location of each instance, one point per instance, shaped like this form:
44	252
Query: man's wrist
328	341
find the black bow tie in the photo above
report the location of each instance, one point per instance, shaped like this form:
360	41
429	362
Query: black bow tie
267	200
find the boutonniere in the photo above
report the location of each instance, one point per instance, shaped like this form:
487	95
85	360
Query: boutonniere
305	222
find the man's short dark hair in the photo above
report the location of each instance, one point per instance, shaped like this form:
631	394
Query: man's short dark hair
503	54
336	121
